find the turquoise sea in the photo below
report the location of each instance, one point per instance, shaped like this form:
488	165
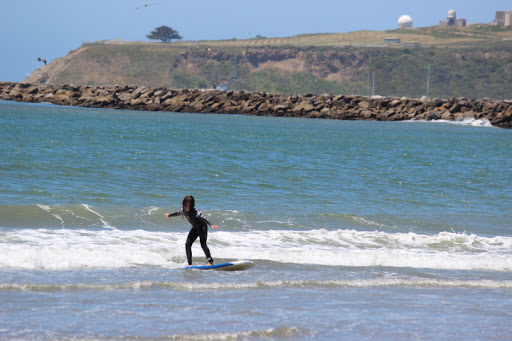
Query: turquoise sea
359	230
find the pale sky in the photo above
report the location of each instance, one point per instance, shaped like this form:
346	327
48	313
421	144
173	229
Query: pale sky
51	28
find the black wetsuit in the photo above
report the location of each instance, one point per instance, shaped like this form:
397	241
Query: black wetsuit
199	229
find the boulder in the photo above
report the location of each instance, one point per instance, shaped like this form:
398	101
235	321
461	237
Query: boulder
124	97
434	115
367	114
364	104
446	116
49	96
303	107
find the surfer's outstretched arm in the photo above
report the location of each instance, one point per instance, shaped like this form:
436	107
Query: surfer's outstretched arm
168	215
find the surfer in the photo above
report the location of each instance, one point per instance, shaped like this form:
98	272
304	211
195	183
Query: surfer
199	227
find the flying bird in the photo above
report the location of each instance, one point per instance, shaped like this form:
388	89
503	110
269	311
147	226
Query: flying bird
145	5
39	59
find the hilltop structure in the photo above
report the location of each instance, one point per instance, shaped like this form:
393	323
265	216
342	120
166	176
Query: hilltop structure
503	18
452	20
404	21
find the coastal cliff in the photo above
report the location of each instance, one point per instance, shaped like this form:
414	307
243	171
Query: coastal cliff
340	107
442	62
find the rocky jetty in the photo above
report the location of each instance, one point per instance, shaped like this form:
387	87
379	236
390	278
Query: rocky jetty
339	107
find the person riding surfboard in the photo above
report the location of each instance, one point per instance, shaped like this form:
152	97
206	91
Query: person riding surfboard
199	228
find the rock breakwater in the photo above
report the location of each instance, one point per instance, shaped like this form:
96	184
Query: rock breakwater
340	107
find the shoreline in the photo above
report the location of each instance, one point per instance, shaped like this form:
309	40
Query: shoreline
338	107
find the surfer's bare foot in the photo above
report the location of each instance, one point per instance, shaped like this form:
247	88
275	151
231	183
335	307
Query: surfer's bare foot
209	263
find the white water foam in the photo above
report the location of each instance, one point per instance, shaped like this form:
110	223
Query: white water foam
332	283
84	249
281	333
466	121
77	249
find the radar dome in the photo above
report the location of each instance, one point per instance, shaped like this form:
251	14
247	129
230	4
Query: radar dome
452	14
404	21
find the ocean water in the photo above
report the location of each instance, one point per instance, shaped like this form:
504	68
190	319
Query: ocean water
359	230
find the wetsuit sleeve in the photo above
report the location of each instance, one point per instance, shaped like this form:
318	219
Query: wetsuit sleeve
203	218
180	212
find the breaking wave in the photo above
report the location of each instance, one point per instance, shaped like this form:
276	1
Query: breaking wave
62	249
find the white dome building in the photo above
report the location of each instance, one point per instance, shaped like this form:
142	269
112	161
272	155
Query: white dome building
404	21
452	20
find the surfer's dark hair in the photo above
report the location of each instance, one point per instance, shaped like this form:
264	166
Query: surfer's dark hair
188	200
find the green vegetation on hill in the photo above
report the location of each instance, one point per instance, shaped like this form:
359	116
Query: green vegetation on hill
473	62
462	72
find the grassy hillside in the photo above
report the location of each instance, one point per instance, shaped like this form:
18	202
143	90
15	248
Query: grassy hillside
473	62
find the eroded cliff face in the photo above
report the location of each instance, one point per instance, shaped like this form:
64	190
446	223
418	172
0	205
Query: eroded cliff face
107	65
332	65
387	71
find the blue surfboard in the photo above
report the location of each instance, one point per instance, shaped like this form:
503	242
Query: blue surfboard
238	265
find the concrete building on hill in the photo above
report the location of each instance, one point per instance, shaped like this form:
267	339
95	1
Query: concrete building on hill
452	20
503	18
